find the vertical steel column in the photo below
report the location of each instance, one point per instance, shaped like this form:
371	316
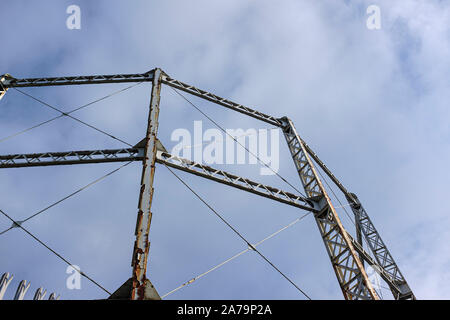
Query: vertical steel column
142	289
348	267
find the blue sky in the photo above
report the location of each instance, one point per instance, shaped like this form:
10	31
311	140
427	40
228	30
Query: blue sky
372	103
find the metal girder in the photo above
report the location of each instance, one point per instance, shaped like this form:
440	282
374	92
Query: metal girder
235	181
397	283
137	154
380	251
344	258
391	282
7	81
221	101
142	289
70	157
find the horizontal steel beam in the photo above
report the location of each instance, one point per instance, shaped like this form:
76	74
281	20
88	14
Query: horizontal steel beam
220	101
70	157
137	154
7	81
235	181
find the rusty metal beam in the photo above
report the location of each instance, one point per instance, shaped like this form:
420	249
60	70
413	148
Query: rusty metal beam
142	289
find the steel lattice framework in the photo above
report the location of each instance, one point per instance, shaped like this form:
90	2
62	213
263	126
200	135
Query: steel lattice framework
347	255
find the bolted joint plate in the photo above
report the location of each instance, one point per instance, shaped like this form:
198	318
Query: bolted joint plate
124	291
149	291
3	82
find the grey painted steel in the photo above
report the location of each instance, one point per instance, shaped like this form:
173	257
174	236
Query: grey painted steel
345	260
142	287
137	154
221	101
341	247
7	81
391	282
70	157
397	283
324	168
235	181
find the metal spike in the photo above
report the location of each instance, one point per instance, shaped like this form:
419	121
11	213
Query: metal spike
53	296
40	294
5	280
22	290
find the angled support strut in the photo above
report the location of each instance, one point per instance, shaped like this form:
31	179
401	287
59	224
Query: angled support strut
389	268
345	260
235	181
219	100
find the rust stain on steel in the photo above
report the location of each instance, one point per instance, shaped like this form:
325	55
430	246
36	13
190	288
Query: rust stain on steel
142	245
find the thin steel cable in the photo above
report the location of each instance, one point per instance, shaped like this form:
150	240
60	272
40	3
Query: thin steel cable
72	117
66	197
234	257
243	146
73	110
209	142
55	253
30	128
237	233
